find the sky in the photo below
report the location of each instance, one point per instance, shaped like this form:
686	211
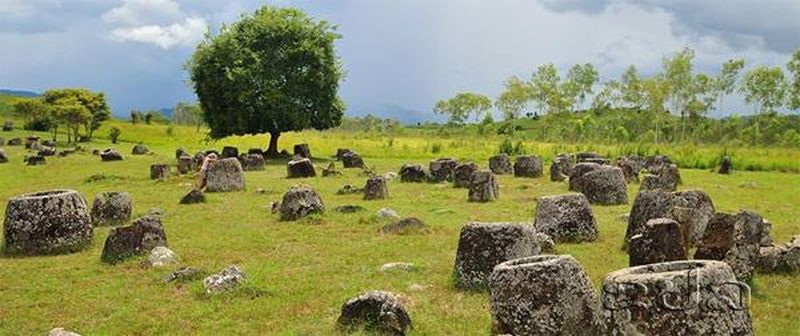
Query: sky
400	56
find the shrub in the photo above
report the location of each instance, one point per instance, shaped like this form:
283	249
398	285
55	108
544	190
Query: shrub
114	134
436	148
510	148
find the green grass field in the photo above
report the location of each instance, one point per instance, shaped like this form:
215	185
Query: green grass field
302	272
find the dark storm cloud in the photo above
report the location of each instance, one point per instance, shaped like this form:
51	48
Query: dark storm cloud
742	24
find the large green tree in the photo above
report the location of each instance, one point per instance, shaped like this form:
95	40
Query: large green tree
94	102
273	71
462	105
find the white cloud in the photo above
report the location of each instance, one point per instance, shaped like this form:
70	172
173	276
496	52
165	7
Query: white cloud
185	33
158	22
141	12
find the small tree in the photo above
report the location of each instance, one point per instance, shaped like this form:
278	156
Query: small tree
136	117
515	99
678	72
462	105
73	115
579	84
33	112
114	134
273	71
765	88
727	79
545	81
794	88
631	88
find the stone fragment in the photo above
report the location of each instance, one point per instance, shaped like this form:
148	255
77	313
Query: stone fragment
375	312
299	202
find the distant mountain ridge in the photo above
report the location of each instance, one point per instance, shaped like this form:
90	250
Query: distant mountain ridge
18	93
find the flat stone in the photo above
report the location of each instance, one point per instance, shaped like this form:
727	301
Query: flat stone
299	202
398	266
405	226
229	279
387	213
193	197
349	208
183	274
161	256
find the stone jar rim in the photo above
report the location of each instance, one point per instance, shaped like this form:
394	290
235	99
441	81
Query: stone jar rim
44	194
544	260
670	270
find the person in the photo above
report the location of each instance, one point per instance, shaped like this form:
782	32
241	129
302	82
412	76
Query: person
202	178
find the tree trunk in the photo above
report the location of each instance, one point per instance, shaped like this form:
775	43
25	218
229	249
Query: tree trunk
272	151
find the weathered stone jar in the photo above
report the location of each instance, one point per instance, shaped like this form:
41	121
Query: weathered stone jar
111	208
225	175
566	218
542	295
49	222
481	246
697	297
376	188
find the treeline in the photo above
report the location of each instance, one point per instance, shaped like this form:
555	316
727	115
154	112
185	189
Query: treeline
186	114
369	123
79	111
644	106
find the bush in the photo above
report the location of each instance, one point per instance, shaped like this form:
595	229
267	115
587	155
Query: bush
436	148
39	125
114	134
509	148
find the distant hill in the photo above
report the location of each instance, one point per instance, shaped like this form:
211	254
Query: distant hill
18	93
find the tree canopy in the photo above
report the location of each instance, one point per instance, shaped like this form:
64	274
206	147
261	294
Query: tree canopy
94	103
462	105
273	71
